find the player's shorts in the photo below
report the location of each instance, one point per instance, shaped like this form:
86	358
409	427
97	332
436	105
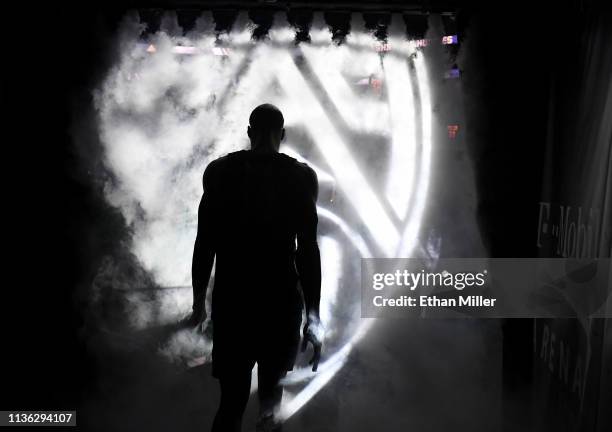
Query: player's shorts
237	346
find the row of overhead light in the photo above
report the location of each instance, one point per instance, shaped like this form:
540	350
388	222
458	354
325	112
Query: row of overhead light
181	22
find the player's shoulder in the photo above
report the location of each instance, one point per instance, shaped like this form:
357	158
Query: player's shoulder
228	158
222	162
303	173
216	169
309	175
301	167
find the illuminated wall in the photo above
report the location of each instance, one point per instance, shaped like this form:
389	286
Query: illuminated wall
358	113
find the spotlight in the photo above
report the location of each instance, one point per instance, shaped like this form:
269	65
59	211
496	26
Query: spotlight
152	20
263	20
377	24
169	24
301	20
186	18
224	20
205	23
339	24
397	26
416	25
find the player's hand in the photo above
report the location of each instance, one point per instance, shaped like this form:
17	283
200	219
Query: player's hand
313	333
206	328
193	321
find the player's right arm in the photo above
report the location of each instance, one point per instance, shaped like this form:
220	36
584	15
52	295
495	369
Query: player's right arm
308	263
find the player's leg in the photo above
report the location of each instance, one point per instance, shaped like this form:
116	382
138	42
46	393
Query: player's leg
270	393
235	391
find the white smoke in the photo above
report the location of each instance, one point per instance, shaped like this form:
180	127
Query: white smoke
160	127
164	116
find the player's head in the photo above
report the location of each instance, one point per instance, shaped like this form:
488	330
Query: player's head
266	127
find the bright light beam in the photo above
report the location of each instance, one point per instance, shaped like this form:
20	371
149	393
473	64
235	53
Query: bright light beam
330	367
403	142
304	106
360	114
410	234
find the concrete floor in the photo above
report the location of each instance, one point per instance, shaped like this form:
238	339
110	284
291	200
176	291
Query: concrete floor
405	375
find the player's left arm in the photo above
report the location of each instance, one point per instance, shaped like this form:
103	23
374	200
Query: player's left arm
204	248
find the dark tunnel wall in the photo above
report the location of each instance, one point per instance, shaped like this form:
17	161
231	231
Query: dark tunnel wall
547	150
572	358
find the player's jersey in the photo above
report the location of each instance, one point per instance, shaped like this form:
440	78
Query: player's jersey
257	205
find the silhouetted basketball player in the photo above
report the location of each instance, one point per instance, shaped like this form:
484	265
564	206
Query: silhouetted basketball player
256	204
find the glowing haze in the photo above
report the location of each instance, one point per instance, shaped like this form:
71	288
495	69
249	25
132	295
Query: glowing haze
172	104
